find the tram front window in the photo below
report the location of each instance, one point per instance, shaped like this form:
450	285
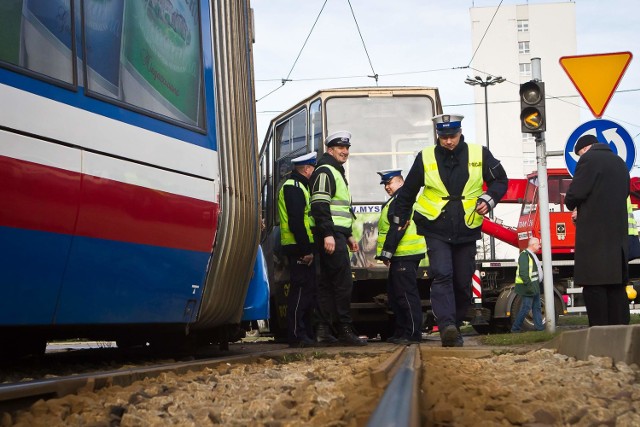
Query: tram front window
387	133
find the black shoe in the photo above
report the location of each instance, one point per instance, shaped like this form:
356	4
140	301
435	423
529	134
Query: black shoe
449	336
347	337
323	335
393	339
406	341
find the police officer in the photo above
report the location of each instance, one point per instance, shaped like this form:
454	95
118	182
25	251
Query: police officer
449	213
401	251
333	217
297	244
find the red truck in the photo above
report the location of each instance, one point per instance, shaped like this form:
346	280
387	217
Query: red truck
497	305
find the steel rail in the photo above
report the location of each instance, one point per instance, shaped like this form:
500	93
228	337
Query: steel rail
21	395
399	405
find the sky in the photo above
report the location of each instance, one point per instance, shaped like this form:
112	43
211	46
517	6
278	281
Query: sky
413	42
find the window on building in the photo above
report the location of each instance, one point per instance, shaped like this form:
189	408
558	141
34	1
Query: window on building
523	25
528	138
523	47
525	69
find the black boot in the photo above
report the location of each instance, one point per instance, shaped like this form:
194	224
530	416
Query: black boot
451	337
347	337
323	335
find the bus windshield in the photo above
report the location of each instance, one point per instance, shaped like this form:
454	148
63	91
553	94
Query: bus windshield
387	133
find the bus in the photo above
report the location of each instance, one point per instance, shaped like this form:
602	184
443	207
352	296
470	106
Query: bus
129	180
389	126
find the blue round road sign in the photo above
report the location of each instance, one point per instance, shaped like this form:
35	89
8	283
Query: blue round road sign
607	132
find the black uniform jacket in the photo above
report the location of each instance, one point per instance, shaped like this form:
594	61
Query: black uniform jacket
454	171
321	211
599	190
295	202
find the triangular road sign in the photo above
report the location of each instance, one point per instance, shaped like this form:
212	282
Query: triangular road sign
596	77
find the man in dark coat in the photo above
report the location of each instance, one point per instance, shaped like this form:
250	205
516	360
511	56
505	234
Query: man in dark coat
599	192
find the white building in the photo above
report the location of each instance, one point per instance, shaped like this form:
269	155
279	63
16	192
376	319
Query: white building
516	34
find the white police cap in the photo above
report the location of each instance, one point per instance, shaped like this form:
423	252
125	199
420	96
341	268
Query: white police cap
386	175
306	159
448	124
341	138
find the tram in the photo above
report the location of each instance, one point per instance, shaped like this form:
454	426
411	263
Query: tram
389	125
129	184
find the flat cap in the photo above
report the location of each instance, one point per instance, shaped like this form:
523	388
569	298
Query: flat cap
386	175
306	159
448	124
340	138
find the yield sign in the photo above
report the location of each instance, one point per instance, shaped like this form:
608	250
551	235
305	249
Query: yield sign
596	76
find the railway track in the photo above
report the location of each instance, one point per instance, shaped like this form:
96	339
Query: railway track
381	370
377	385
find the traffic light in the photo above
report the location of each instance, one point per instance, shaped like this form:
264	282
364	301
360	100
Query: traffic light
532	115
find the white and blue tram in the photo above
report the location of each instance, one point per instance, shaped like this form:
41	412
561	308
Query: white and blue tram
389	125
129	187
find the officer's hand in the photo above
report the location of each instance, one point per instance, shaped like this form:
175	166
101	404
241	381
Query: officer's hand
307	259
329	245
404	227
386	261
482	207
353	244
574	215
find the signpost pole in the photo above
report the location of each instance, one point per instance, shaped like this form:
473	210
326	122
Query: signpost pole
545	222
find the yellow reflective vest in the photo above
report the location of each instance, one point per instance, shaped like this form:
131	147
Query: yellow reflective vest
633	231
533	287
340	203
435	196
411	243
286	236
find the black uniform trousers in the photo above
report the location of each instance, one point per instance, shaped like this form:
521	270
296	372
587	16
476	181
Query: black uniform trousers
404	299
301	300
335	286
606	304
452	267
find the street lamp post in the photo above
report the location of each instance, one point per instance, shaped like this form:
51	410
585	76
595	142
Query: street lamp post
486	82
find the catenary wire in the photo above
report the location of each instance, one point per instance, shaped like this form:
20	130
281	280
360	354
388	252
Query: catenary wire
286	79
485	32
374	76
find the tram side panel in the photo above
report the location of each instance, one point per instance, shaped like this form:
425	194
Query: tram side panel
38	215
110	213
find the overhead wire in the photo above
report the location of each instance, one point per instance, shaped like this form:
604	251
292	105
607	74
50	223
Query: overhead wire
287	79
377	76
485	32
562	98
374	76
364	76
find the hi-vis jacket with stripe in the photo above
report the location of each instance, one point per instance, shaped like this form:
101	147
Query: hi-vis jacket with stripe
331	210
